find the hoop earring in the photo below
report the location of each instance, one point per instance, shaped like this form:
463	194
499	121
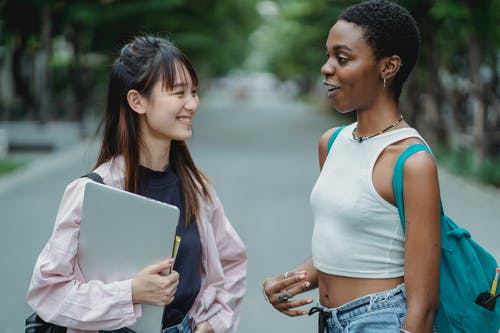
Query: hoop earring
384	82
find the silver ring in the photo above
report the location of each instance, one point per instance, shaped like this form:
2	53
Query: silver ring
285	275
284	296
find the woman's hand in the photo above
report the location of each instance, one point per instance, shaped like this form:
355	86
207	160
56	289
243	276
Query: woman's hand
281	289
204	327
151	286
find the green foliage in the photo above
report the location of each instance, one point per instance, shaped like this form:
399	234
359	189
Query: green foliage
458	22
489	171
462	163
293	42
213	33
8	165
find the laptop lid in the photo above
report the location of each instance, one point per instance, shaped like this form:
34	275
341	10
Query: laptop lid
120	234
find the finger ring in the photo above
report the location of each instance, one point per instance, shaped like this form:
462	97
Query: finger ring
284	296
285	275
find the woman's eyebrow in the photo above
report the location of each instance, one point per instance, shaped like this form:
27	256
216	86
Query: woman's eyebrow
341	47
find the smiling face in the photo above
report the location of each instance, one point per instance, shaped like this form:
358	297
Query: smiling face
351	71
168	113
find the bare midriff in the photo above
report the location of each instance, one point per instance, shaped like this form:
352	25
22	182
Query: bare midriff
335	290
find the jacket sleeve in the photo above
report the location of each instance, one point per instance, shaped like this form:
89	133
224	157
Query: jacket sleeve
58	292
233	261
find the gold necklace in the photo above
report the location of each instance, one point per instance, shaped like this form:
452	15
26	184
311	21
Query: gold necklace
364	138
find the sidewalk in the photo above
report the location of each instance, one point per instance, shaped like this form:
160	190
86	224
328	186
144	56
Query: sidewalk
41	164
41	147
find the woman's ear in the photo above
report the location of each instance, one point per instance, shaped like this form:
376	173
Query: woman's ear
390	67
136	101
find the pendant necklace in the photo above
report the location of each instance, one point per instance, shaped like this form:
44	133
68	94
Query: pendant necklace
364	138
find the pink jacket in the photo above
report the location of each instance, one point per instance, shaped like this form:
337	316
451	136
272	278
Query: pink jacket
59	293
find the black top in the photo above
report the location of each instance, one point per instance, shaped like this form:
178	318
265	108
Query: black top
165	186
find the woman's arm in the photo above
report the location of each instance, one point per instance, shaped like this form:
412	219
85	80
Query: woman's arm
226	260
57	291
423	241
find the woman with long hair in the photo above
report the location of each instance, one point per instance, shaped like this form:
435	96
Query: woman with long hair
152	99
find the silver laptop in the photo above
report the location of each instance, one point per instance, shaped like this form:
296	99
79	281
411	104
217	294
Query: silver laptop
120	234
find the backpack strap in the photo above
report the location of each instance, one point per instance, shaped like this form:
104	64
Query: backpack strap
94	176
333	137
397	177
468	256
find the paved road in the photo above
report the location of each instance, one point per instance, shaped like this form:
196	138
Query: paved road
260	151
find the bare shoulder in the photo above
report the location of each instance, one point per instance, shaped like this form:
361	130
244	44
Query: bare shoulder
393	151
323	145
325	137
421	163
421	179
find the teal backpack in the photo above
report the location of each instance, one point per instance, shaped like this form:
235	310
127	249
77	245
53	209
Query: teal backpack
466	270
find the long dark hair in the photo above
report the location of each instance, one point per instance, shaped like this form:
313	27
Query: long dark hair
141	63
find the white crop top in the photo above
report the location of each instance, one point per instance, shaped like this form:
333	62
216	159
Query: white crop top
356	232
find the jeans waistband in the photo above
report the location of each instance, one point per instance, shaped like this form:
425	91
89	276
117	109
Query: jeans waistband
360	305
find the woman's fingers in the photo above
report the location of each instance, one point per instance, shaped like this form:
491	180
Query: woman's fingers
293	285
279	283
159	267
298	287
281	290
171	282
290	308
150	287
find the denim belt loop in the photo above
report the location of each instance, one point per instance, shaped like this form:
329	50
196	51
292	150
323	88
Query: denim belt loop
322	318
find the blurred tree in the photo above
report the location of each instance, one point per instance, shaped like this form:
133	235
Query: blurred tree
456	81
20	32
424	93
469	36
293	39
213	33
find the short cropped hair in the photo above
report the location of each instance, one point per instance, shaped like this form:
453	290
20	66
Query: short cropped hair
390	30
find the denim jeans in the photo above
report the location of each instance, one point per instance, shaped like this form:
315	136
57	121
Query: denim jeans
382	312
183	327
120	330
